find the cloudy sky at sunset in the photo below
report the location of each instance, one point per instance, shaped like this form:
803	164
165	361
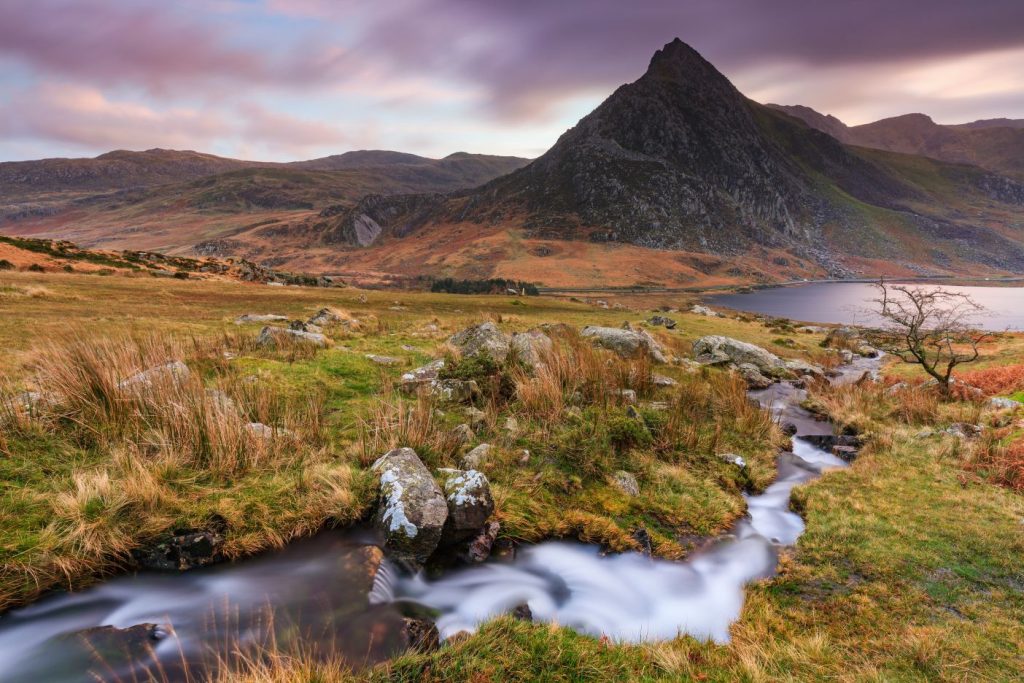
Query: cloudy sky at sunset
290	79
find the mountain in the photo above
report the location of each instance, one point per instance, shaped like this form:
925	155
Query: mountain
993	144
681	160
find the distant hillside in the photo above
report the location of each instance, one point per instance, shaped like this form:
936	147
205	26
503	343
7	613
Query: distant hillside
681	160
993	144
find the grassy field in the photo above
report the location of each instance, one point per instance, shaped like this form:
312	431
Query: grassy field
909	569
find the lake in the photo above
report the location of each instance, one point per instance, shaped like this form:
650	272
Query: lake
850	303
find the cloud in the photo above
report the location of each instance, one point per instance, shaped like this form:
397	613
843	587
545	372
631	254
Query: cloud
84	118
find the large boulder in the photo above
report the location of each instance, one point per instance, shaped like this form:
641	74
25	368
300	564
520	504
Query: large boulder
715	350
412	510
531	348
625	343
484	339
468	495
753	377
272	337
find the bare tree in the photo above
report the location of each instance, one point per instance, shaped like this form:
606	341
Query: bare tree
934	328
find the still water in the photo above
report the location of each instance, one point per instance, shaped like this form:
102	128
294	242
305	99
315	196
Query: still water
849	303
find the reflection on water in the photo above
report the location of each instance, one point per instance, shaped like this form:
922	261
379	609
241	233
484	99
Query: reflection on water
849	303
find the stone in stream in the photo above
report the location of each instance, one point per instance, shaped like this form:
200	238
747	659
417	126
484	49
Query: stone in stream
183	551
412	510
468	496
753	377
626	343
479	549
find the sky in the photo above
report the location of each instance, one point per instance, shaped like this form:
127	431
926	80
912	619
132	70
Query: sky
294	79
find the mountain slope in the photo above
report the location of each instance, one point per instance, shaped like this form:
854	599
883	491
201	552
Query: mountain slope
681	160
994	144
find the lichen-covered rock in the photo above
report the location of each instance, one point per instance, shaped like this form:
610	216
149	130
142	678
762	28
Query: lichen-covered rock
468	495
663	381
802	367
463	433
531	348
733	459
626	482
174	371
484	339
411	510
625	343
272	337
477	418
715	350
383	360
327	316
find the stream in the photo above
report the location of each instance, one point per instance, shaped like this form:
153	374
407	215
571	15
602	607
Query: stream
318	592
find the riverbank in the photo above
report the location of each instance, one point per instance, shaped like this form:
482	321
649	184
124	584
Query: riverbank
896	517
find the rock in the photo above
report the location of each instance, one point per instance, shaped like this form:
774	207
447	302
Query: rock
964	430
753	377
845	356
1000	403
663	321
260	318
412	510
626	482
383	360
265	431
628	395
272	337
524	457
531	348
522	612
843	337
626	343
468	495
326	316
897	388
867	351
183	551
704	310
733	459
714	350
633	414
463	433
847	453
643	539
662	380
484	339
174	372
477	418
114	646
422	375
511	425
924	433
477	457
454	390
789	429
813	329
479	549
421	634
657	405
802	367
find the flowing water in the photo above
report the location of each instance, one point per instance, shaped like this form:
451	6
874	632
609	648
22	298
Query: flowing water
318	591
850	303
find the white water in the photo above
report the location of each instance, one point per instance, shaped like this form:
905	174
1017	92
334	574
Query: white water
631	597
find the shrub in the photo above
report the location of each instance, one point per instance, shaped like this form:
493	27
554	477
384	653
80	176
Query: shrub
36	268
6	265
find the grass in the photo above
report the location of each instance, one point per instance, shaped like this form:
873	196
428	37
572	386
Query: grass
908	570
